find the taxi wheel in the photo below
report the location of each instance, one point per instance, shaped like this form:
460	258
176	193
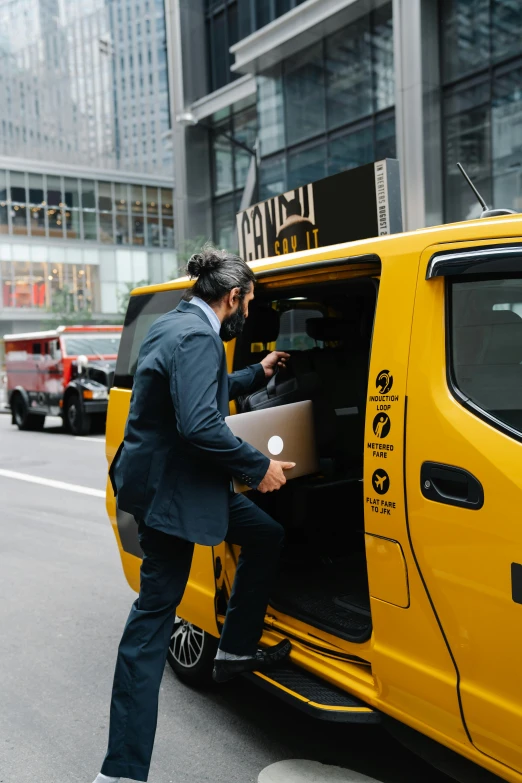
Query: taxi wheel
22	418
76	420
191	653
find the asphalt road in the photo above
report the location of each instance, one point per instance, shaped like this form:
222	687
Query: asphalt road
64	603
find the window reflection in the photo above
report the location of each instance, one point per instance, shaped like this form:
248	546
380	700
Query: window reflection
465	36
350	150
349	73
304	94
270	111
306	165
467	138
507	140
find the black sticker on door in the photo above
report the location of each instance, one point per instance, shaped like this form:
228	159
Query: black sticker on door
380	481
384	381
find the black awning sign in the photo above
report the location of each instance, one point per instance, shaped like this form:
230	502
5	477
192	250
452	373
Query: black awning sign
354	204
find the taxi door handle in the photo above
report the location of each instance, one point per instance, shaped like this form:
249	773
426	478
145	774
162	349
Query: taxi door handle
450	485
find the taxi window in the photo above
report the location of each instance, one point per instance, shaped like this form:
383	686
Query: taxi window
292	332
486	347
142	311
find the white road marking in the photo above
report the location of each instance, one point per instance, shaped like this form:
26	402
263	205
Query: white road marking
97	493
86	437
304	771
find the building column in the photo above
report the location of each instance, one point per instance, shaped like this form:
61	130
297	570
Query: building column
418	111
190	145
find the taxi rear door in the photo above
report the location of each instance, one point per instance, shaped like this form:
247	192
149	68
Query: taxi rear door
463	475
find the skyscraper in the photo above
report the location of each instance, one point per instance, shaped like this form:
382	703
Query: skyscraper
86	172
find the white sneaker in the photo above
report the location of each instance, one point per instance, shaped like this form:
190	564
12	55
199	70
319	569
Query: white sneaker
104	779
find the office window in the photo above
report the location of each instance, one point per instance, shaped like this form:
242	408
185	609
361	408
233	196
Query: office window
382	58
223	160
465	36
506	20
225	233
4	225
467	135
54	191
306	165
272	176
270	111
37	208
506	129
304	91
349	73
245	131
351	149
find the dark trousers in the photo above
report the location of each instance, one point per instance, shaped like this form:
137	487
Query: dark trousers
144	645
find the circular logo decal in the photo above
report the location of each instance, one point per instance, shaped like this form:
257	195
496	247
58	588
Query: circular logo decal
275	445
381	481
381	425
384	381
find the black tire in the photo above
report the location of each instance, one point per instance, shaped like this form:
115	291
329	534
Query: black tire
21	416
191	654
76	421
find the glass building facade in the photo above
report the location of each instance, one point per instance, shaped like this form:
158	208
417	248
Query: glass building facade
229	20
328	108
86	170
481	77
112	213
86	83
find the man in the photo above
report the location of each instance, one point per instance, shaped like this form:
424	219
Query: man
174	475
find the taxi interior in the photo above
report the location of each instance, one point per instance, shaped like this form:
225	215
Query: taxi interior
327	329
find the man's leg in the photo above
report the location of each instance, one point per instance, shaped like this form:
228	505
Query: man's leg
260	538
142	653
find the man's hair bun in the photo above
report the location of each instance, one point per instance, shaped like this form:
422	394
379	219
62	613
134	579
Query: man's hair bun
206	260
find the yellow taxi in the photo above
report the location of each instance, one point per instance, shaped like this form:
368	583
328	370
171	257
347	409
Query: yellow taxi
400	583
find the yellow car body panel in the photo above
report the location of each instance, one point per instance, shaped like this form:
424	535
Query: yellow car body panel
443	654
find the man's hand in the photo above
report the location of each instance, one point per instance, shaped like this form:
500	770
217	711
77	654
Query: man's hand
273	361
275	477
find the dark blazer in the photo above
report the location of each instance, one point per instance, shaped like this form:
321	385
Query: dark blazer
178	455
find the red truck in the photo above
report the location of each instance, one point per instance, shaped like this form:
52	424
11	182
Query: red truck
65	372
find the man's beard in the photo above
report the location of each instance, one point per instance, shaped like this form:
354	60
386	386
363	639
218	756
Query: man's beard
233	325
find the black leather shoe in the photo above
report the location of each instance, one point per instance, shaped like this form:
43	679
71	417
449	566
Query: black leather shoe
263	659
